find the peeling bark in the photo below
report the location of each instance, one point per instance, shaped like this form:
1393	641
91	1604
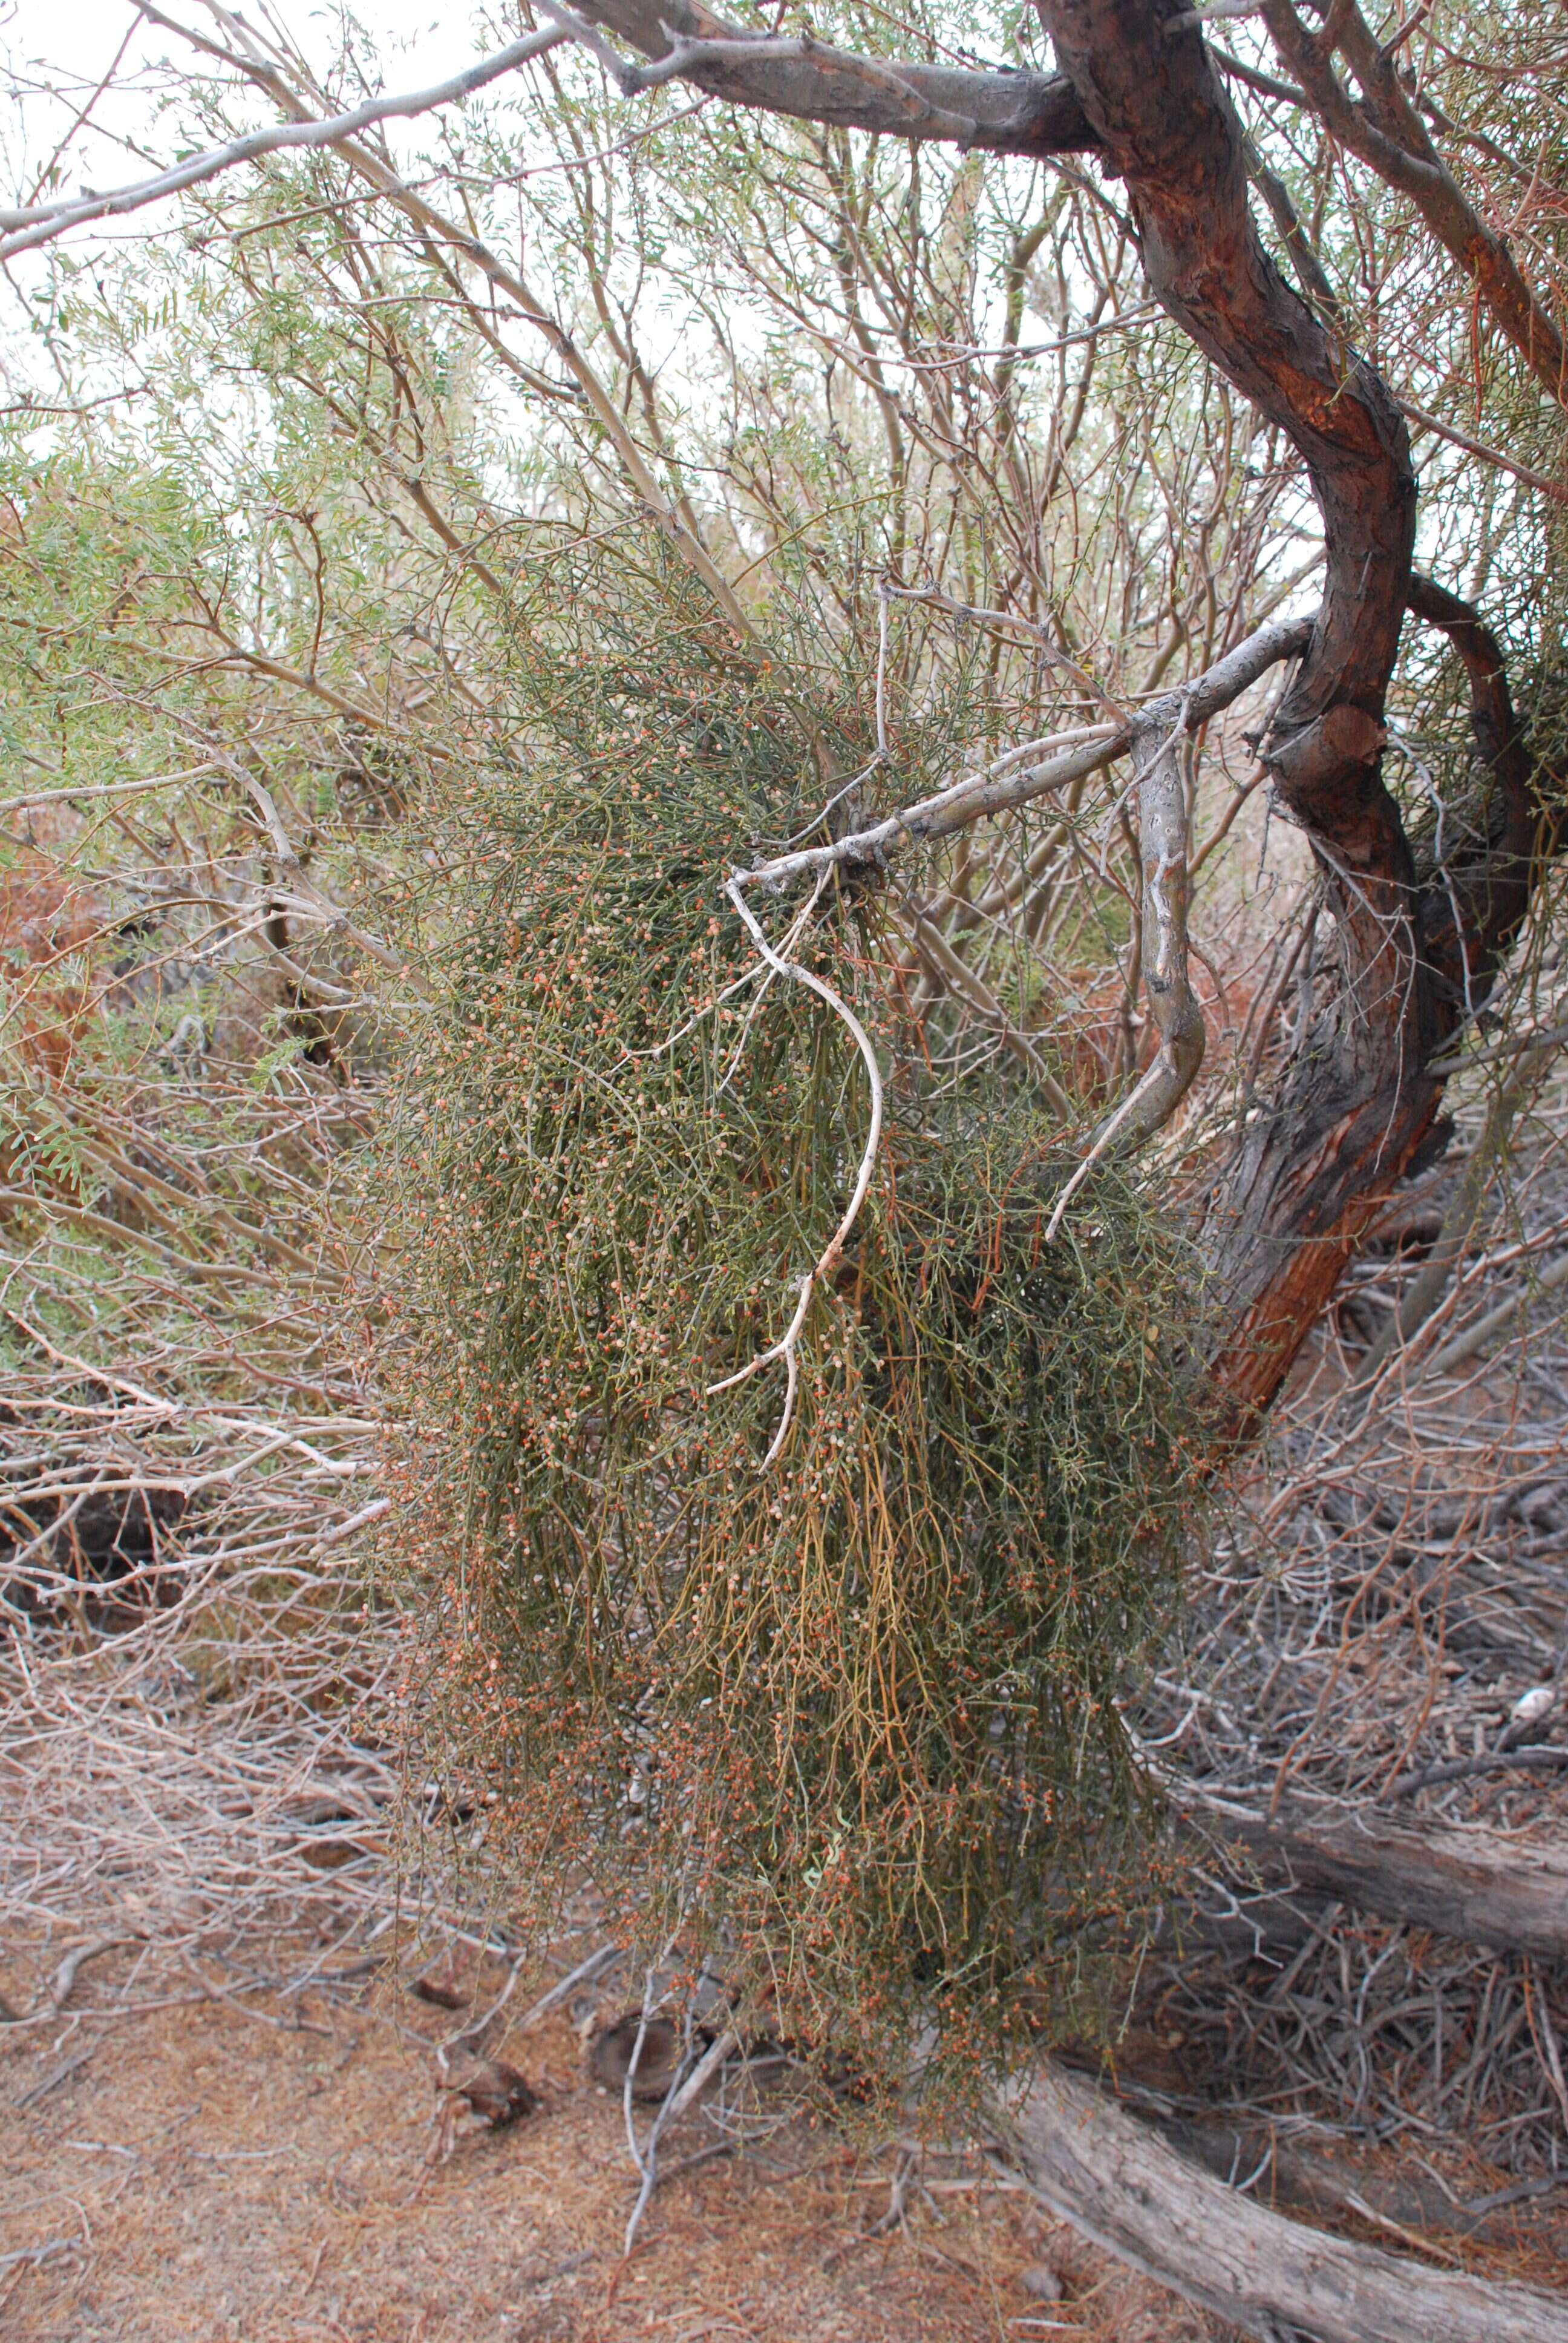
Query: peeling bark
1127	2188
1173	1005
1139	93
1508	1894
1321	1161
1315	1164
1311	1169
1003	112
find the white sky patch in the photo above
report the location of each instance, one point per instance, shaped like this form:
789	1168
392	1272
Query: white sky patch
58	51
54	54
93	92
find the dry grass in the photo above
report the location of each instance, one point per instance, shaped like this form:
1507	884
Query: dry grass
254	2169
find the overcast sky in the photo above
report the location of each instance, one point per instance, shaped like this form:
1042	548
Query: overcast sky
88	32
54	53
76	42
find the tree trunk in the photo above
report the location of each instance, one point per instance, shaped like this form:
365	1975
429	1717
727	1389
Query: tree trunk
1509	1894
1414	949
1122	2185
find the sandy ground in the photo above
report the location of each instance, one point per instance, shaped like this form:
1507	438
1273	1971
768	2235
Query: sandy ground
254	2169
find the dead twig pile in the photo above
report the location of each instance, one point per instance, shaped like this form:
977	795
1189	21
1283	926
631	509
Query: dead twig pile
1374	1655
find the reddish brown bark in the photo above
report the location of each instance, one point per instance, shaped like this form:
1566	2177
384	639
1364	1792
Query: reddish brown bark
1414	949
1139	93
1324	1157
1385	130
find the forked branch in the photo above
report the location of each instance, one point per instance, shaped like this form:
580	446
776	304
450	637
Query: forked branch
788	1345
1385	131
1010	781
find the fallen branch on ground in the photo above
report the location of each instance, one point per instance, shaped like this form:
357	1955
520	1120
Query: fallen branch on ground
1509	1894
1133	2194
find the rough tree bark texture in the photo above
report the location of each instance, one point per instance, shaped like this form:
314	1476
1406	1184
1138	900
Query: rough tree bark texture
1122	2185
1314	1165
1004	113
1510	1894
1139	95
1416	951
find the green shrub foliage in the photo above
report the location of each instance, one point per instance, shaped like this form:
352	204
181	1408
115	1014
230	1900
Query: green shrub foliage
847	1723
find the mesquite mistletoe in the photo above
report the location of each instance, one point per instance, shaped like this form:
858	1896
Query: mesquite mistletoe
1140	96
1140	93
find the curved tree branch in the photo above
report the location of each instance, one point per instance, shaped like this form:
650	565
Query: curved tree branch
1357	1103
1298	1195
1013	780
23	231
1473	905
1004	113
1385	132
1123	2185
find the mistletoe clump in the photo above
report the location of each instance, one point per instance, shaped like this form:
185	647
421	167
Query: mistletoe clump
847	1720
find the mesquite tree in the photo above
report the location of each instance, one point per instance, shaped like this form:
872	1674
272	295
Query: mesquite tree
978	653
1142	102
1417	948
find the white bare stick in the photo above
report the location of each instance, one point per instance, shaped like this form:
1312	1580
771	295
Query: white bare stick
785	1348
709	1009
64	1977
1162	825
584	1973
758	998
838	797
1104	1139
43	222
686	2093
1002	785
646	2155
952	809
659	1047
36	799
483	2032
